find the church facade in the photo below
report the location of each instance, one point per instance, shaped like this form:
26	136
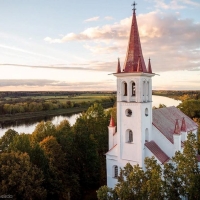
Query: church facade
141	132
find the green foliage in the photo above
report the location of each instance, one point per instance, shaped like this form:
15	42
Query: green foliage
21	143
187	168
191	108
106	193
179	177
6	139
70	160
18	177
42	130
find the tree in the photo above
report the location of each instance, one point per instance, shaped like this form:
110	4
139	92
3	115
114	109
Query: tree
187	171
18	177
131	183
21	143
179	177
42	130
6	139
171	183
91	141
57	165
154	183
191	108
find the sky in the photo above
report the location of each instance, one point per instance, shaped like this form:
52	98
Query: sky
70	45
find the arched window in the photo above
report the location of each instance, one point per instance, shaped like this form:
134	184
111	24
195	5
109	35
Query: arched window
115	171
125	89
146	112
148	88
146	135
133	88
130	136
143	89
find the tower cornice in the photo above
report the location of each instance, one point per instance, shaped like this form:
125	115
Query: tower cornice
124	74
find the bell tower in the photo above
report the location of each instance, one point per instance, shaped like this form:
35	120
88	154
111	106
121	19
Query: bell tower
134	101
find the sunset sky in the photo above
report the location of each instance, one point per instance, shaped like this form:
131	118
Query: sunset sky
74	45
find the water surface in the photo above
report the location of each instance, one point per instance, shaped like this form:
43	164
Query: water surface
28	127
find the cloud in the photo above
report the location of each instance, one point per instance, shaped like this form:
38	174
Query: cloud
170	41
174	4
93	19
108	18
26	52
41	84
89	66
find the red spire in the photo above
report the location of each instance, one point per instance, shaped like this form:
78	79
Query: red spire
134	49
183	126
149	66
118	67
177	128
139	65
112	123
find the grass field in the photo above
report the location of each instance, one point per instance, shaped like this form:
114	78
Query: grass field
84	97
63	98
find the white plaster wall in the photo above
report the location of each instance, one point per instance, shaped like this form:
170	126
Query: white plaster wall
111	132
115	139
138	123
111	182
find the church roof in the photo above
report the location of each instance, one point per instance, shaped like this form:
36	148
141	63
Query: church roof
157	151
164	119
112	151
134	59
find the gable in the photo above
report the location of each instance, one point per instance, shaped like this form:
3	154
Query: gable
164	120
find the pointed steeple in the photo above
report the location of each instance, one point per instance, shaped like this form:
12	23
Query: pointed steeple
149	66
112	122
118	67
183	125
134	49
177	128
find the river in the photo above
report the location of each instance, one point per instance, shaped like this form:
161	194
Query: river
29	127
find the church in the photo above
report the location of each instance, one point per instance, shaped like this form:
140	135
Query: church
141	132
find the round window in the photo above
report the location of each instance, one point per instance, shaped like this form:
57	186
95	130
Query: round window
128	112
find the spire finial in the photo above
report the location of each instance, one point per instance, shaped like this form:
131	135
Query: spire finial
134	4
149	66
118	67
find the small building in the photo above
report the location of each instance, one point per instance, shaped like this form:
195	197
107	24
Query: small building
141	131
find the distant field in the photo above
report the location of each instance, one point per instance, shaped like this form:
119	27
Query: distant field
64	98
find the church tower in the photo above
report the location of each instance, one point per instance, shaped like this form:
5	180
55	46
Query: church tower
134	108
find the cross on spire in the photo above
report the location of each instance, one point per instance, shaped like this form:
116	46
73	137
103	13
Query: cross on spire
134	4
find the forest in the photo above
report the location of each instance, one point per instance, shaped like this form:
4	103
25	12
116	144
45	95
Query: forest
56	162
68	162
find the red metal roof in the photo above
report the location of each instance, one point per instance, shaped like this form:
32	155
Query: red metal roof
134	50
157	151
112	122
165	118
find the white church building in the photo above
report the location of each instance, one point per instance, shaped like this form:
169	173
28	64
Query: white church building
141	132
